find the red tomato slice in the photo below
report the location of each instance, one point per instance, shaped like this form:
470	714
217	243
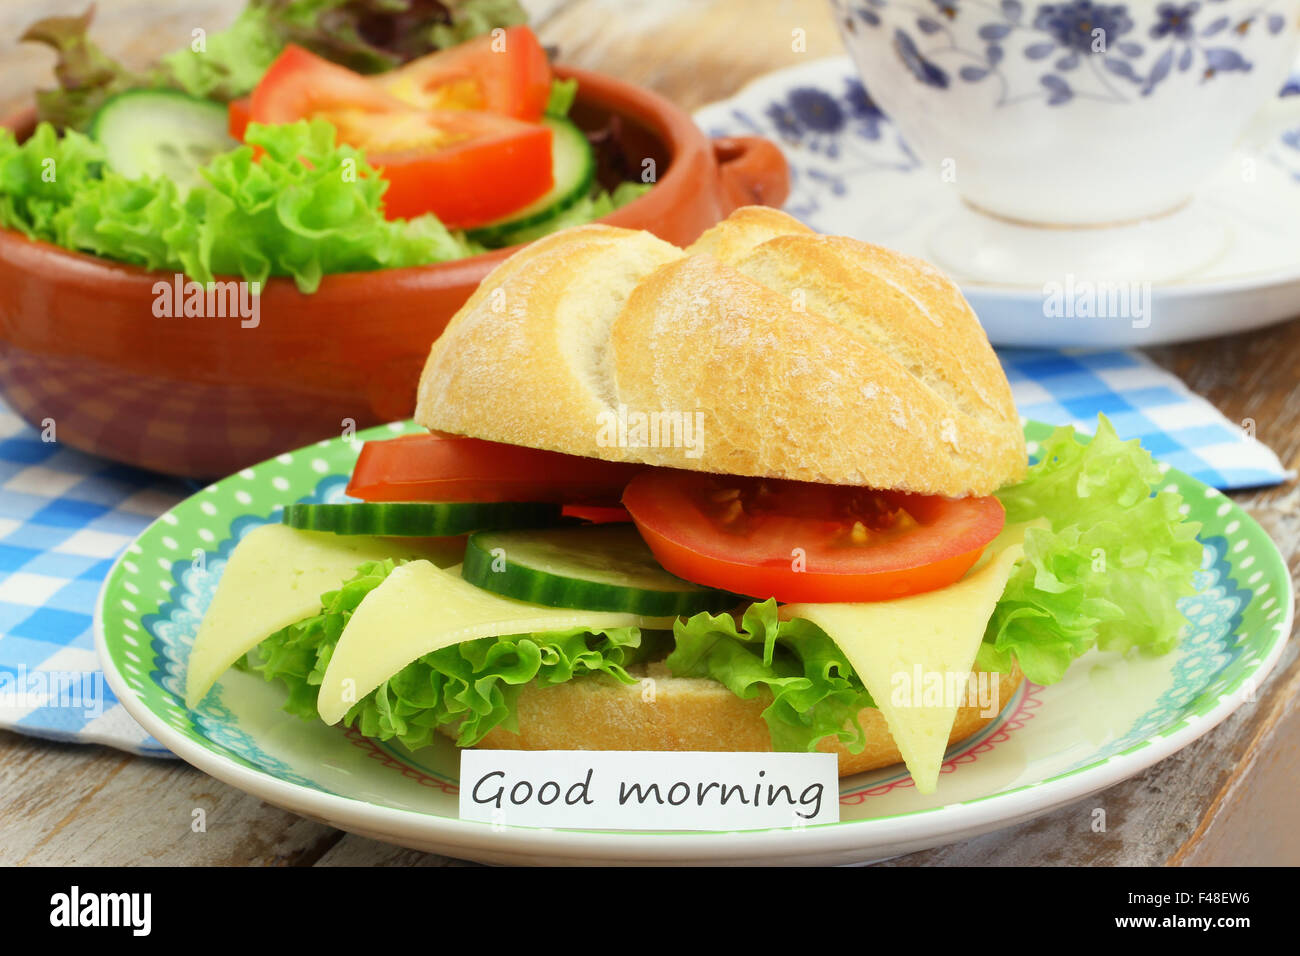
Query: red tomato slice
300	84
796	541
505	73
239	112
440	467
466	167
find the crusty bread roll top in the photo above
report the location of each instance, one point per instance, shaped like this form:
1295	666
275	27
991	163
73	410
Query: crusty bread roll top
796	355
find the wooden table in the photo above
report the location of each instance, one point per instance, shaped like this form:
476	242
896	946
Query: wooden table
1227	799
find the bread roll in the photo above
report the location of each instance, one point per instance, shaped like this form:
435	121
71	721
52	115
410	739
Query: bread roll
689	714
801	356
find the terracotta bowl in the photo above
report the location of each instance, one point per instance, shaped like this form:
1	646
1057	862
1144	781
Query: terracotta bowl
80	345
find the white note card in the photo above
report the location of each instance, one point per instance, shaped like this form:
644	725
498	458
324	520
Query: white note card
643	790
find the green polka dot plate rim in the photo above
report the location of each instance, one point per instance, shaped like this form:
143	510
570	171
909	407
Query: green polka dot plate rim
1109	719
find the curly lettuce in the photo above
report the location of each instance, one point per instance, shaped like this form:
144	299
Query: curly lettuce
1110	569
473	686
43	177
306	208
815	693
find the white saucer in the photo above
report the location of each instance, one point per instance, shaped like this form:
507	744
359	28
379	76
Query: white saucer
1225	262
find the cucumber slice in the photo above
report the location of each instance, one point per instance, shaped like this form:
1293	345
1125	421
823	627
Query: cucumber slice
161	133
573	164
419	518
600	568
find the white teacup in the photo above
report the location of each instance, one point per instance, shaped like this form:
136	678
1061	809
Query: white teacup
1075	112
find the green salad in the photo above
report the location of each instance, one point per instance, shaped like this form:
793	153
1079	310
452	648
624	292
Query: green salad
364	148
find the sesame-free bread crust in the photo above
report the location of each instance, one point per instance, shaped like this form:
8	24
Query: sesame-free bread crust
802	356
687	714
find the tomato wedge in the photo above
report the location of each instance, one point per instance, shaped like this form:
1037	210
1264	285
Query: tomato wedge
465	166
440	467
300	84
506	73
796	541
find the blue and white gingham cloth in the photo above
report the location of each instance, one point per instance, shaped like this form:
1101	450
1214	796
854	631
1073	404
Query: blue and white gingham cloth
64	517
1142	401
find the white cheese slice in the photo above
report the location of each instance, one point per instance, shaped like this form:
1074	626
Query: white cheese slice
420	609
274	578
938	633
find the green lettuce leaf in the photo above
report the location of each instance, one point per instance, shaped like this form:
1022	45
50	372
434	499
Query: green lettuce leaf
227	64
307	208
473	686
42	177
1109	571
815	693
562	95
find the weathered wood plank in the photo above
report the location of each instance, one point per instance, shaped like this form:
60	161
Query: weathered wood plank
66	804
1247	818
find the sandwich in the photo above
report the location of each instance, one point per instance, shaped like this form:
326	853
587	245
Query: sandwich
768	492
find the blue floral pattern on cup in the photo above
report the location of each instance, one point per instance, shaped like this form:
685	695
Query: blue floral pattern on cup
818	119
1087	49
1288	155
842	130
828	149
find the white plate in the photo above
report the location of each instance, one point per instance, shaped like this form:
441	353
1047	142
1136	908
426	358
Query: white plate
1226	263
1104	722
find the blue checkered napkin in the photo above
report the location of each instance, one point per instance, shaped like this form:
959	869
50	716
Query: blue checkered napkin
1142	401
65	516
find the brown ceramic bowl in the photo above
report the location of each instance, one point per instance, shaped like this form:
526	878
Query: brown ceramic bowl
79	343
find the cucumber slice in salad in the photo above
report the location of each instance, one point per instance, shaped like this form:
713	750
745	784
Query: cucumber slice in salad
573	165
161	133
595	568
419	518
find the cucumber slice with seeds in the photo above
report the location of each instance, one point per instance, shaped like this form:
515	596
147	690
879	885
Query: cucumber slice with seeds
419	518
593	568
574	170
161	134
